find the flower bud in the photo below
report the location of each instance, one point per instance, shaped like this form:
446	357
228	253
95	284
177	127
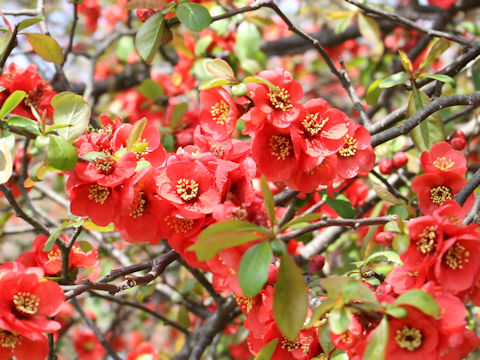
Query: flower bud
315	264
400	159
386	166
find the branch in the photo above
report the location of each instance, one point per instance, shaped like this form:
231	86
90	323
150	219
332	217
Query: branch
423	113
468	189
404	22
157	266
12	42
282	198
472	216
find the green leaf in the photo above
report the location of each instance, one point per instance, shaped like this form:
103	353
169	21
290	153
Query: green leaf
373	92
224	235
436	48
324	338
149	37
349	289
151	89
202	45
390	256
407	64
125	46
290	300
429	131
377	346
401	243
46	47
253	269
211	83
320	311
267	350
386	195
12	102
393	80
220	69
334	284
24	124
38	172
248	40
239	90
54	235
6	161
194	16
440	77
178	112
398	312
301	219
135	133
269	201
339	319
341	205
73	111
29	22
145	4
61	154
420	299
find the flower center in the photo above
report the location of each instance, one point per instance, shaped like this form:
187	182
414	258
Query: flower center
26	304
137	208
443	163
289	345
105	165
440	194
409	338
280	100
456	256
9	339
53	254
219	112
426	240
179	225
98	193
244	302
187	189
349	147
281	146
218	150
311	126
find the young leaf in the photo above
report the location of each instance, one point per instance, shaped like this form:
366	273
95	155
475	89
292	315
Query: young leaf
401	243
149	37
46	47
290	300
224	235
302	219
210	83
194	16
178	111
135	133
12	102
386	195
373	92
407	64
253	269
29	22
339	319
436	48
429	131
267	350
269	202
73	111
6	164
24	124
151	89
440	77
61	154
54	235
420	299
324	338
377	346
220	69
390	256
341	205
393	80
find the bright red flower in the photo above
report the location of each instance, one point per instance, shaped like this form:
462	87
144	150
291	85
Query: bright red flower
87	345
321	129
426	238
27	300
444	4
433	189
442	157
218	114
349	338
51	261
356	156
27	346
143	351
275	153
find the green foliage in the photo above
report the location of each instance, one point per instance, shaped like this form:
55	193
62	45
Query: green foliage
61	154
149	36
341	204
151	89
194	16
73	112
377	346
420	299
46	47
253	269
12	102
267	350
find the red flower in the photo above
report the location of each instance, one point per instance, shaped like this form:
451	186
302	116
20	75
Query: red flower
218	114
143	351
189	186
444	4
414	337
349	338
321	129
433	189
87	346
30	345
311	172
27	300
51	261
356	155
426	238
275	153
442	157
280	108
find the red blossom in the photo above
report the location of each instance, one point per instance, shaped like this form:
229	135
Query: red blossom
442	157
